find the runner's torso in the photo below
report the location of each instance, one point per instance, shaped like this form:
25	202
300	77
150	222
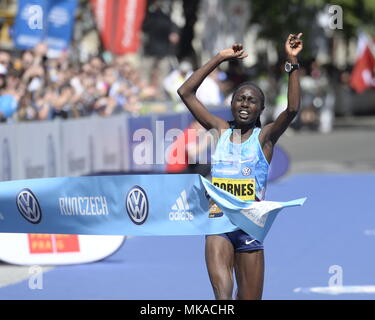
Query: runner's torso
240	169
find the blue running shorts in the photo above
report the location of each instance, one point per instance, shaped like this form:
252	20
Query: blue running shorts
242	242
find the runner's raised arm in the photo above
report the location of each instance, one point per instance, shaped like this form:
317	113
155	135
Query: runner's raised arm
272	132
188	90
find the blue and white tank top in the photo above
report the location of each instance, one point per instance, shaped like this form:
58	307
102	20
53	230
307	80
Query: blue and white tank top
240	168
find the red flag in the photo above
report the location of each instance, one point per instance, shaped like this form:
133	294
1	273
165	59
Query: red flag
119	23
363	76
103	14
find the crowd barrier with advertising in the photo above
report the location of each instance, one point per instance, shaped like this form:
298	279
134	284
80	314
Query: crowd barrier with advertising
75	147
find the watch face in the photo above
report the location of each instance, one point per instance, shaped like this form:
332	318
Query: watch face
288	66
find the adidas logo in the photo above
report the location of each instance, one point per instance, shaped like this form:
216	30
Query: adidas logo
180	210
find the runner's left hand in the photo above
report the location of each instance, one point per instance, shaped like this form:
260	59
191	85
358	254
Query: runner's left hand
293	45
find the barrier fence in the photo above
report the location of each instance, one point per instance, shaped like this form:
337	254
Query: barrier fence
84	146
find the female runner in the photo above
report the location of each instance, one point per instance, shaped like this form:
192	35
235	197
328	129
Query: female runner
241	167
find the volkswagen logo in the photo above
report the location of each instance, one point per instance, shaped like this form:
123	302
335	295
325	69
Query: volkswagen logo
137	205
28	206
246	171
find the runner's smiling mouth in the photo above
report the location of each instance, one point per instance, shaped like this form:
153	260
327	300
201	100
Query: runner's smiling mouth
244	113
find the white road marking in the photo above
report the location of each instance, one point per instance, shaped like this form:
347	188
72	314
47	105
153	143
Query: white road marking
336	290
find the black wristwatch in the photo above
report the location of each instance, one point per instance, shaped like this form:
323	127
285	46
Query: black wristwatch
290	67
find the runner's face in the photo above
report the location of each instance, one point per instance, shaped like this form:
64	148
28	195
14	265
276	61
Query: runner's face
246	105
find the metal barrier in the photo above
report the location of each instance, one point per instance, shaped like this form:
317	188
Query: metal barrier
83	146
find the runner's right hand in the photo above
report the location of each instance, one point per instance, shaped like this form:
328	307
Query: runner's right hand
236	51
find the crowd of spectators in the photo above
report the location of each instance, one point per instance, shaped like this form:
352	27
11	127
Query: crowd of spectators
34	87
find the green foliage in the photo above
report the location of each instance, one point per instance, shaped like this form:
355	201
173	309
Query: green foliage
358	14
278	18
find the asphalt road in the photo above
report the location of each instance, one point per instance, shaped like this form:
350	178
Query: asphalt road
350	147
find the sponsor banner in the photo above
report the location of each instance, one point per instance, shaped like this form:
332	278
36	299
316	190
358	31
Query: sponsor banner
56	249
29	27
221	112
38	156
130	14
129	205
60	23
110	143
166	132
8	152
44	20
123	136
119	23
103	11
78	146
141	143
53	243
224	113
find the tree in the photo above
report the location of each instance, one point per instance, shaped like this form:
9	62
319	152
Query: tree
279	18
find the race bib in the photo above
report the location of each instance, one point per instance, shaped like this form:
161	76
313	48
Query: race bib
243	189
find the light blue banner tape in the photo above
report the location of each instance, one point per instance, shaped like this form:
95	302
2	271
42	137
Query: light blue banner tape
129	205
253	217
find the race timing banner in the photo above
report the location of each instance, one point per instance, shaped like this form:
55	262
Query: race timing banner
132	205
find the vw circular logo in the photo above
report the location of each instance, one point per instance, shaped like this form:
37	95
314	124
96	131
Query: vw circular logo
137	205
246	171
28	206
